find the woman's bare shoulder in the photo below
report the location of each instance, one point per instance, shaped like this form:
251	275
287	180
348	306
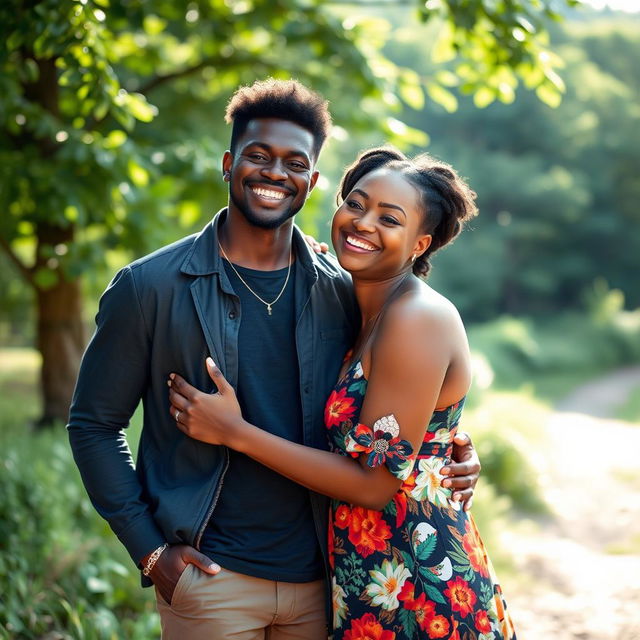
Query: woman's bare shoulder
422	308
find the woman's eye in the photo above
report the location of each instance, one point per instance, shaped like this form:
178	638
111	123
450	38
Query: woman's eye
353	204
389	220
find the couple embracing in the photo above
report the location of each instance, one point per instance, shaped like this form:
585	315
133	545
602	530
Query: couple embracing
299	473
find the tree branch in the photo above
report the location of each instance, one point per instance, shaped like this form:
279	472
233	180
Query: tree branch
25	271
159	80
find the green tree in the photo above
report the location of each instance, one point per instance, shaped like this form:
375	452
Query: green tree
556	187
110	111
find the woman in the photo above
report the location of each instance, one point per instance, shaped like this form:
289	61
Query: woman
407	562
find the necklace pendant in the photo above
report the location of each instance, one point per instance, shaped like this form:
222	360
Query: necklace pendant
269	309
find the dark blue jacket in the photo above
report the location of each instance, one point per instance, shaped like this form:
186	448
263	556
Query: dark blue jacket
167	312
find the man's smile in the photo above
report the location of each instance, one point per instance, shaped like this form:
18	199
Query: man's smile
270	193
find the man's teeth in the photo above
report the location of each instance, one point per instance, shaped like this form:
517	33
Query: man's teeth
268	193
360	244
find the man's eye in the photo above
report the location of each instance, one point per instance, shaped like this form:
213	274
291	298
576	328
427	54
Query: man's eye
298	166
257	156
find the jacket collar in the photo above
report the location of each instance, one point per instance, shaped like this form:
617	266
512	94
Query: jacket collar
203	257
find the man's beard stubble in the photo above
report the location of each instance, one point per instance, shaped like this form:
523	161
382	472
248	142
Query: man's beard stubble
257	221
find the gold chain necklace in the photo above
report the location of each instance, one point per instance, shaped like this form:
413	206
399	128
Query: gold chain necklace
269	305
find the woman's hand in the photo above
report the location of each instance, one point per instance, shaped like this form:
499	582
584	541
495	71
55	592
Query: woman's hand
214	418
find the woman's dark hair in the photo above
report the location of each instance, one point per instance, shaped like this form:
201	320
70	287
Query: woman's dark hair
447	200
282	99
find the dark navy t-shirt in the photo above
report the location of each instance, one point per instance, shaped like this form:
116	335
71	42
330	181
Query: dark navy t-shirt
262	524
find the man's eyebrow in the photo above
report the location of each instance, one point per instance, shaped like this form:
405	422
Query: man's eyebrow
291	152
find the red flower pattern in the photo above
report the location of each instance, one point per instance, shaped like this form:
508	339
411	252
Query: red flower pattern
368	531
462	598
437	627
482	622
368	628
339	408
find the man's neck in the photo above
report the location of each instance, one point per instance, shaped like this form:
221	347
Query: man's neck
253	247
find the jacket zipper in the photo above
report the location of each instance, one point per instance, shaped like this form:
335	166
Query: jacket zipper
214	501
325	559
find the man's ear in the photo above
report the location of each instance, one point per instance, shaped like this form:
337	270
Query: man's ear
227	162
314	178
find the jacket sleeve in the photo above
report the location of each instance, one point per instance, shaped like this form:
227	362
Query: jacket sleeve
112	379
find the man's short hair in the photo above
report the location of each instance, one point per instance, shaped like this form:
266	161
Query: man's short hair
283	99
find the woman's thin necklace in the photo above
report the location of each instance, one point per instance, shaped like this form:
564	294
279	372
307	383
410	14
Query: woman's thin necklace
269	305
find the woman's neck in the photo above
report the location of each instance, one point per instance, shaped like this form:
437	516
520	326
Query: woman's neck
372	295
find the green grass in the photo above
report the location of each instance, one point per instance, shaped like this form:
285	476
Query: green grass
630	410
64	574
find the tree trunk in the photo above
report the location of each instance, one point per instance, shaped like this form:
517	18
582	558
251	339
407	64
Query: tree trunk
61	342
61	335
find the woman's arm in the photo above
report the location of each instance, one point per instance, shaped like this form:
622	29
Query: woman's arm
408	367
217	419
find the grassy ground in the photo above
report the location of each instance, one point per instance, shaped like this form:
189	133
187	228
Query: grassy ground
64	574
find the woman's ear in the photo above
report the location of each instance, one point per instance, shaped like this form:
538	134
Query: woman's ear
423	243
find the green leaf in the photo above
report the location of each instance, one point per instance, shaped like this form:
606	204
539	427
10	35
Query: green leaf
549	95
408	621
425	572
434	594
45	278
115	139
140	176
483	97
139	108
443	97
426	547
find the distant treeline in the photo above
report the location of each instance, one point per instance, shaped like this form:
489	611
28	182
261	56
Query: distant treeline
558	189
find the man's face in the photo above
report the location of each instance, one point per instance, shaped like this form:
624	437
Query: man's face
271	171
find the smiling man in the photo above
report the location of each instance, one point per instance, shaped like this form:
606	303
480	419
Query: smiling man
234	549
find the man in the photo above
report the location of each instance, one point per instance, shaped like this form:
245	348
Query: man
278	320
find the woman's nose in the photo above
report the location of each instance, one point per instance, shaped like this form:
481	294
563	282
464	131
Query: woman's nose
364	222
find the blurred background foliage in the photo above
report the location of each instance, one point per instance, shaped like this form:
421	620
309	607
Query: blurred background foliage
111	138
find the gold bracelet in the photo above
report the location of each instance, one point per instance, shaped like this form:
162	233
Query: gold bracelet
153	558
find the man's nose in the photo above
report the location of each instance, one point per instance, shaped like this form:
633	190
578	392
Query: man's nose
274	170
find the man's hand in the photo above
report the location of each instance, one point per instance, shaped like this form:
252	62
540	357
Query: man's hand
463	471
174	560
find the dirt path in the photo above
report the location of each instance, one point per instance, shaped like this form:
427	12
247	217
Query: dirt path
579	571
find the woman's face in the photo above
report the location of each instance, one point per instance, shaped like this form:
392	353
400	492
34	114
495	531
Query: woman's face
378	227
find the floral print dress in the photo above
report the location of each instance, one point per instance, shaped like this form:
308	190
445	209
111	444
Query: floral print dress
418	568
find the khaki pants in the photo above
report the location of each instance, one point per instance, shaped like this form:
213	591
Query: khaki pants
232	605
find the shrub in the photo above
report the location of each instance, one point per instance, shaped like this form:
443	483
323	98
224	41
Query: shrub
64	574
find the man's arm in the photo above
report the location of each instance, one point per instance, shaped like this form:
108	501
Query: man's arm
112	379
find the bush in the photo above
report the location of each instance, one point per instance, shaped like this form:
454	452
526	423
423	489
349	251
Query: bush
64	573
509	432
554	356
